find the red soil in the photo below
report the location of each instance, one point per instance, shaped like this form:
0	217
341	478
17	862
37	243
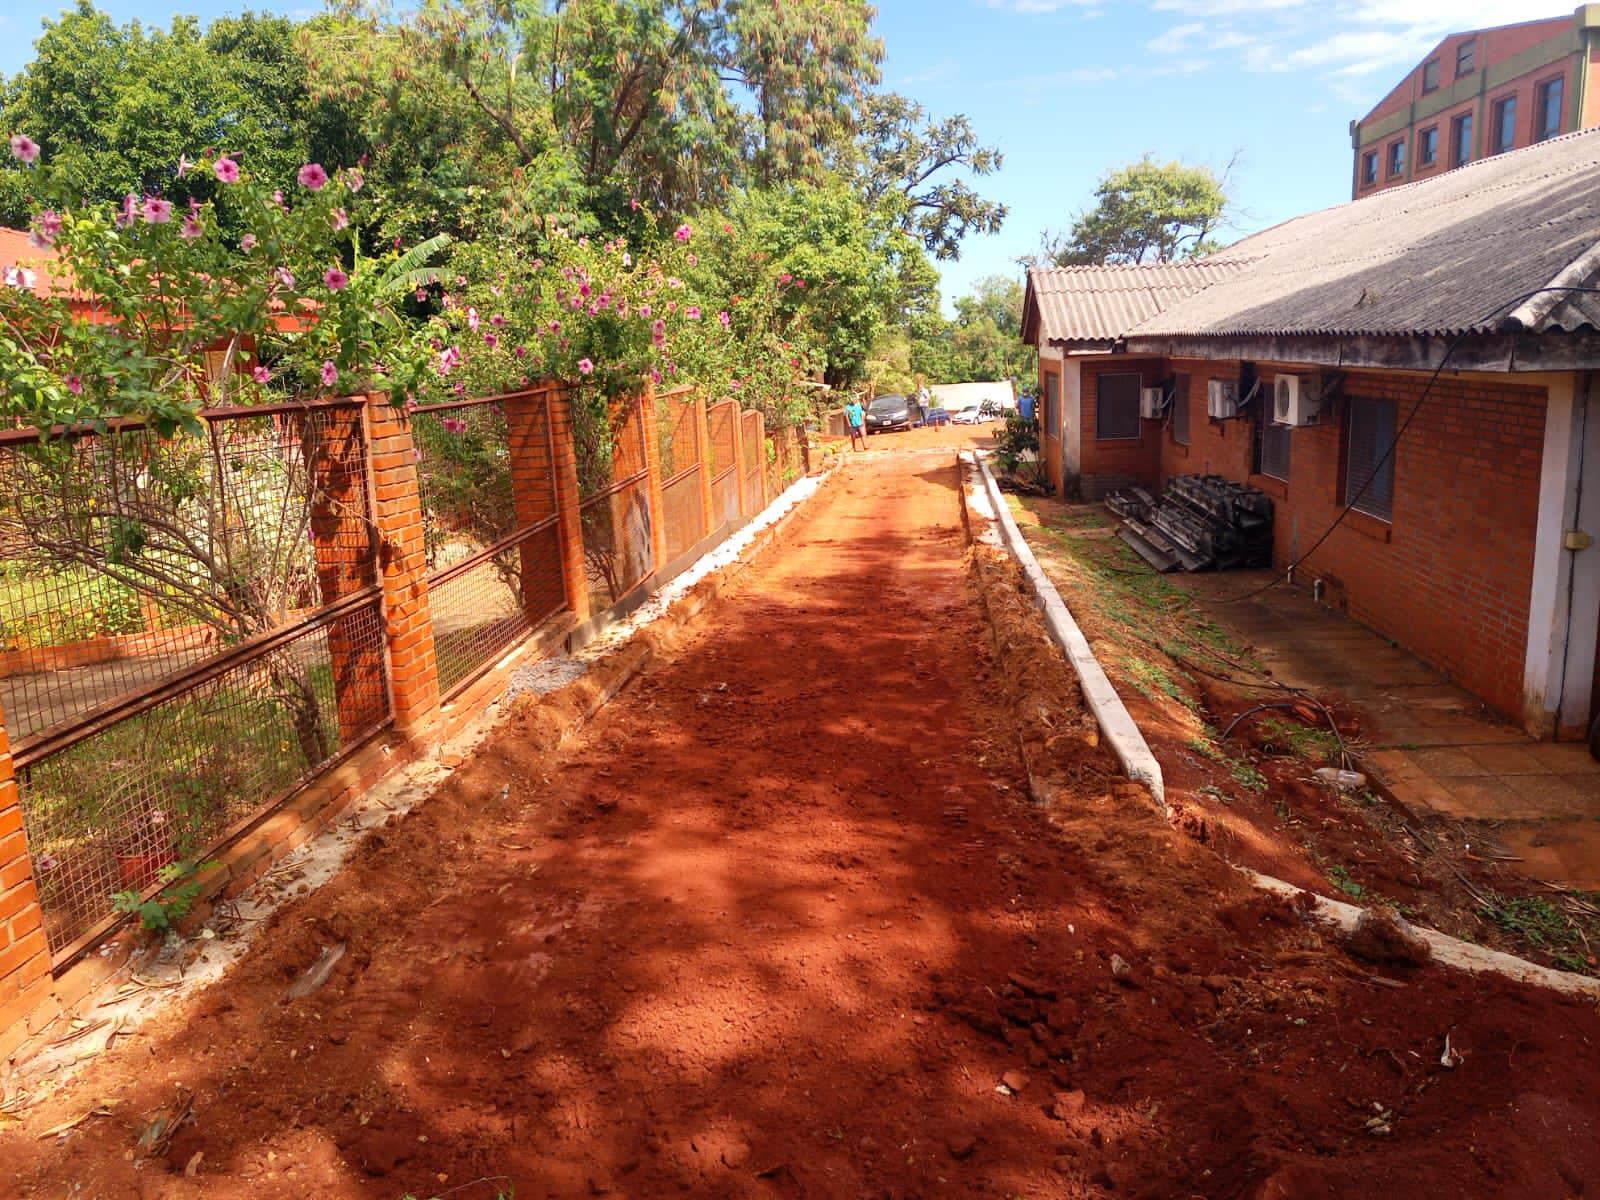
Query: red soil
782	922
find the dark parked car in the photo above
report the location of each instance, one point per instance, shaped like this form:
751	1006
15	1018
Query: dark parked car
892	412
936	416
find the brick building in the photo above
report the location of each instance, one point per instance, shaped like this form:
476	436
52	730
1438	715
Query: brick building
1456	543
1480	93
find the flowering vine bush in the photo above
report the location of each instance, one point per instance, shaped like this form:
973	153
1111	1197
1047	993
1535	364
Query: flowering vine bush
146	311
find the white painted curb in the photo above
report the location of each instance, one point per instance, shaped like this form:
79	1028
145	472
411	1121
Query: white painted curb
1116	725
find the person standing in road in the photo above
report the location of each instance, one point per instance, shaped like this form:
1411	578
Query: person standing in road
855	417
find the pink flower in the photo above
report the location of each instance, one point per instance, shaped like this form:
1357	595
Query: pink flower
184	165
583	289
260	374
247	243
336	279
46	228
75	385
24	148
130	204
313	177
585	367
693	260
634	205
522	352
724	318
692	312
490	340
354	179
472	319
330	373
555	326
524	381
785	277
799	283
157	211
277	198
655	375
284	276
226	170
340	219
727	228
683	233
48	862
644	310
497	320
191	229
627	259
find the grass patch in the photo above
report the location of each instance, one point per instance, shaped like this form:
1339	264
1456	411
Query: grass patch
1342	880
1533	918
1150	678
1244	773
1302	741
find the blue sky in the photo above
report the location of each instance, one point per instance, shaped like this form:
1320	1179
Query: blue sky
1069	88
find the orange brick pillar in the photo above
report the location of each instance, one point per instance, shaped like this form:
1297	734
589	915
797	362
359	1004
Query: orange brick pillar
736	420
335	445
702	450
403	566
650	430
760	444
574	577
24	952
530	442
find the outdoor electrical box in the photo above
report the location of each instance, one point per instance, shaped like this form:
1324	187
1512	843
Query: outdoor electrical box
1152	401
1222	399
1296	400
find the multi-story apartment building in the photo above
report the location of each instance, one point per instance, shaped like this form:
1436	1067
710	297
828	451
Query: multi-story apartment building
1480	93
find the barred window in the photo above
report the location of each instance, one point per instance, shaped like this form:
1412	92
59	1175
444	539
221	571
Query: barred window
1180	410
1272	440
1052	404
1370	430
1116	410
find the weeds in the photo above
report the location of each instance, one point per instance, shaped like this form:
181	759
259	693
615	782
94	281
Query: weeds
1317	746
1533	918
1341	880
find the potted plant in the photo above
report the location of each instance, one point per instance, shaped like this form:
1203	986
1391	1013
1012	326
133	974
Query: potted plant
143	844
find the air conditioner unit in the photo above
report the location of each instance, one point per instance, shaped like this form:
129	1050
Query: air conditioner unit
1222	399
1152	402
1296	400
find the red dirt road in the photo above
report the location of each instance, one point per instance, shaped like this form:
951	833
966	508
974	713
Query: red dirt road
782	922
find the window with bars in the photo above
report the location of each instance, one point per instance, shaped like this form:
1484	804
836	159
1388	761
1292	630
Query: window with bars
1369	168
1116	410
1370	431
1504	127
1397	158
1272	440
1180	410
1461	140
1428	146
1052	404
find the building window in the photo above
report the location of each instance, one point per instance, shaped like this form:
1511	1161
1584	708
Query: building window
1466	53
1430	76
1272	439
1461	140
1397	159
1180	410
1369	168
1547	114
1116	410
1052	405
1369	456
1428	146
1504	129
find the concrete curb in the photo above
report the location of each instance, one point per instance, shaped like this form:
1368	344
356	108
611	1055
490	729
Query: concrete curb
1448	951
1116	724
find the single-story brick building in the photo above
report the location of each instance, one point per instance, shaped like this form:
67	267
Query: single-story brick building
1469	542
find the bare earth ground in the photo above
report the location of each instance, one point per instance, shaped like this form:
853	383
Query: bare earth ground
782	922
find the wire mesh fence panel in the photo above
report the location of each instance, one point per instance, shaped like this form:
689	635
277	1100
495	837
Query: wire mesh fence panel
163	782
755	462
678	447
616	539
482	610
485	471
126	557
783	460
682	515
722	429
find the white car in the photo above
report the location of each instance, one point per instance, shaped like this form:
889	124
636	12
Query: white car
970	415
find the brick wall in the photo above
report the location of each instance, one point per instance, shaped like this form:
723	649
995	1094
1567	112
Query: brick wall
1110	464
1450	577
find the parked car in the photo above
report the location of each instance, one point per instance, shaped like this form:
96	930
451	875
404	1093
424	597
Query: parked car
936	417
970	415
891	412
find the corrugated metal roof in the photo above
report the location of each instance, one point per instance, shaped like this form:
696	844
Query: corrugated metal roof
1444	256
1096	304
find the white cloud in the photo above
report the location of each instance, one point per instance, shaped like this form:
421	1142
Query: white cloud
1043	6
1227	8
1177	39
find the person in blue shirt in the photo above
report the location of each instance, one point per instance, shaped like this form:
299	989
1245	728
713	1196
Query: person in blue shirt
855	417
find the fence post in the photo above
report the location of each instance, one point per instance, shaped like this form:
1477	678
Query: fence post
574	578
761	449
24	950
403	565
531	443
740	467
650	428
702	446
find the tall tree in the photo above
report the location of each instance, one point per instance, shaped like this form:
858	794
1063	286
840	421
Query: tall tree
904	153
983	342
1146	212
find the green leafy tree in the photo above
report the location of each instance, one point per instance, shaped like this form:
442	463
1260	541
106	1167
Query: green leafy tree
983	342
904	154
1146	212
116	107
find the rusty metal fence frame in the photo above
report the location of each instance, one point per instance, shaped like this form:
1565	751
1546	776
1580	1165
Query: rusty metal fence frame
753	456
616	518
508	582
196	746
682	437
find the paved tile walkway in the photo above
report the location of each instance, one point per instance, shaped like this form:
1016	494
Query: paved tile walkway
1432	744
